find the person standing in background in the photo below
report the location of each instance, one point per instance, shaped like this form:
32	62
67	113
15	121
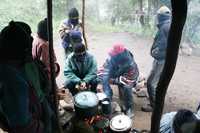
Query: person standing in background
40	48
68	28
158	52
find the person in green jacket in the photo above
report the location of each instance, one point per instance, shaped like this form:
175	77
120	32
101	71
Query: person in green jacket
80	70
24	104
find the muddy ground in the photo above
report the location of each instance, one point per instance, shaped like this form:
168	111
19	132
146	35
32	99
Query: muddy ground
183	91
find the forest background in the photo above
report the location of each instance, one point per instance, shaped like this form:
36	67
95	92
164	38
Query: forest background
137	16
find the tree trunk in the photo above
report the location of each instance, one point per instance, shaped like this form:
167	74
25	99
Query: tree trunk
141	19
148	13
179	14
155	5
97	11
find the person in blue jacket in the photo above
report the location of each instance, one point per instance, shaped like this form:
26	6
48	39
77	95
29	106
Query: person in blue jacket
121	69
158	52
70	31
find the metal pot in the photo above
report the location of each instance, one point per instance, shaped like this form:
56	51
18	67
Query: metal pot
120	124
86	104
105	103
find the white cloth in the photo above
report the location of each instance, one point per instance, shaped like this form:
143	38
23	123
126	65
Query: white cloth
166	123
198	114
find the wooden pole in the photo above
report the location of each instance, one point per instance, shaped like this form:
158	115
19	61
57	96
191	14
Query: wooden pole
179	14
83	23
52	67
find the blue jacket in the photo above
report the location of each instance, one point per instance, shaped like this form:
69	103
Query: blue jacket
122	64
158	49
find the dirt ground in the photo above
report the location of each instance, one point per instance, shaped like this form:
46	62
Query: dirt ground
183	91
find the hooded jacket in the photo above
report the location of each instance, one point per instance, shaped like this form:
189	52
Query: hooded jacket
158	49
119	64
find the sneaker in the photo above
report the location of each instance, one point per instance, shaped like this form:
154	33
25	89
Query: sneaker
130	113
147	108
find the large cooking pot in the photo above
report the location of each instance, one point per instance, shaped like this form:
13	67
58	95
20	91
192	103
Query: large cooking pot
86	104
120	124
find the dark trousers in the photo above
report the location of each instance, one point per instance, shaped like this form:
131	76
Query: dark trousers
153	80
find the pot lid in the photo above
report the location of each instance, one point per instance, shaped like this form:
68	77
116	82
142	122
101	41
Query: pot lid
101	96
86	99
120	123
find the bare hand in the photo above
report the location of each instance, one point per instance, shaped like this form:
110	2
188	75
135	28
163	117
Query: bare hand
111	81
83	86
61	93
77	86
99	88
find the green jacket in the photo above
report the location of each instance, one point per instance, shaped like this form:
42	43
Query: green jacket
75	71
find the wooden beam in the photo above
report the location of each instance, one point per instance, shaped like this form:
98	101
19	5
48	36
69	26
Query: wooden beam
52	67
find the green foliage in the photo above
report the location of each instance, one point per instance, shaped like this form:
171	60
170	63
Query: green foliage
100	14
192	27
21	10
121	9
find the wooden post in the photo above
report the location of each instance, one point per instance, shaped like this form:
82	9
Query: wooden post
52	68
179	14
83	23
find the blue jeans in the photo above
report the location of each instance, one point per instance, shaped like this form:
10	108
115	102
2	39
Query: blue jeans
153	79
126	92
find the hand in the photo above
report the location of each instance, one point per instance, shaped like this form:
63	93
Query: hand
99	88
123	80
126	81
111	81
77	86
61	93
155	51
81	24
83	86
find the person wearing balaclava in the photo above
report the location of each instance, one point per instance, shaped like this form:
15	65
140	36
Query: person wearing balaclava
158	52
80	70
70	31
40	48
